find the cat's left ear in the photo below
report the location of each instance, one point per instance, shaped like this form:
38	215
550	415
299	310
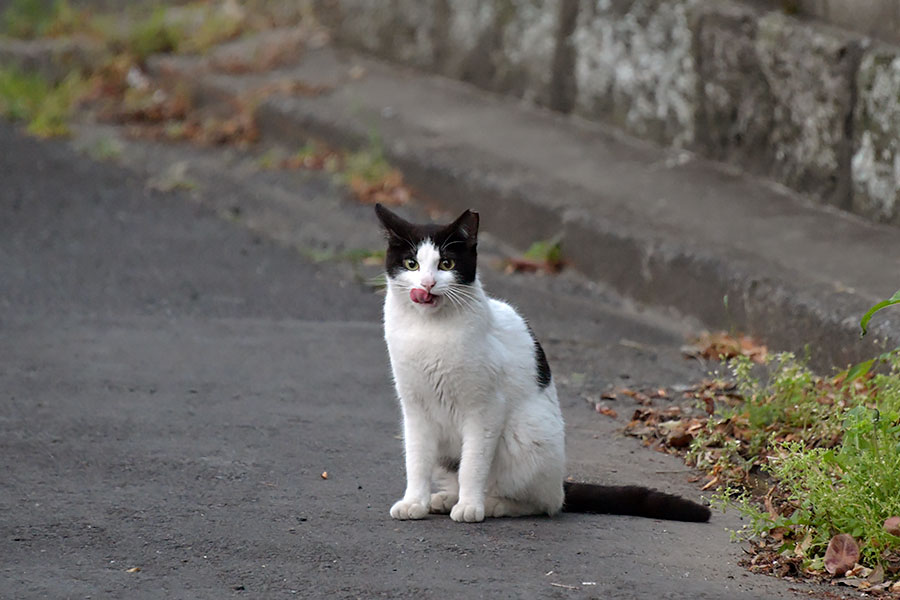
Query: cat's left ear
466	226
394	226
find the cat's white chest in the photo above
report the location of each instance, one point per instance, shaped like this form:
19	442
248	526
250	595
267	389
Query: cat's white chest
434	360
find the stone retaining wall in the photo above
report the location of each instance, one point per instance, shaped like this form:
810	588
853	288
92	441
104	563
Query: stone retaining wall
809	105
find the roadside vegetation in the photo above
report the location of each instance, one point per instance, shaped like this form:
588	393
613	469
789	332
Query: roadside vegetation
811	462
45	107
111	80
116	87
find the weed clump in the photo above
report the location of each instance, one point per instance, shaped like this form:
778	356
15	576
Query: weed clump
28	19
45	107
827	448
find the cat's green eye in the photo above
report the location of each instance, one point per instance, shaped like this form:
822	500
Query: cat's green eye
410	264
446	264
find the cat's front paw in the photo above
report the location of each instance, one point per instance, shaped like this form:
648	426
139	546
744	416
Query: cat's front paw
468	512
408	509
443	502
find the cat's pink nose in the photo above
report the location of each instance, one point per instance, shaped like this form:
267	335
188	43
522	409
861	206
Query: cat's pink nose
427	283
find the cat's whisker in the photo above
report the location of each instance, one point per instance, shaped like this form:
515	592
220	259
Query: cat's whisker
460	299
456	300
449	242
463	291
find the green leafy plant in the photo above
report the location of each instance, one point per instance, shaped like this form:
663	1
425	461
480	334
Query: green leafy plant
154	35
864	322
367	166
830	448
45	107
35	18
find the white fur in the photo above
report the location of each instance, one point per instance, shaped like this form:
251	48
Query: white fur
465	372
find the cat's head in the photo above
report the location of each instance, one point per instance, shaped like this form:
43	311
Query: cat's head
432	265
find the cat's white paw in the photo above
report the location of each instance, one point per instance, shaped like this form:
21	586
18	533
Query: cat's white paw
442	502
468	512
408	509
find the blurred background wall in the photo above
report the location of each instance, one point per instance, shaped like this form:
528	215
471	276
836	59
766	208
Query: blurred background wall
804	92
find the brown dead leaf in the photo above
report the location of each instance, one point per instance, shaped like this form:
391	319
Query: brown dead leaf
673	412
892	525
841	554
389	190
262	53
891	562
603	409
876	576
711	483
324	474
679	439
637	429
528	265
718	345
133	570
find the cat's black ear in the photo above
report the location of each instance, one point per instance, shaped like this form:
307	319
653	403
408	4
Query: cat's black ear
466	226
394	226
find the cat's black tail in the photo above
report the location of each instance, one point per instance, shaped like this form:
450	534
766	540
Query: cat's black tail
631	500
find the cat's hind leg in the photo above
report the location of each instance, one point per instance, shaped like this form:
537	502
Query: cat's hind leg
448	491
495	506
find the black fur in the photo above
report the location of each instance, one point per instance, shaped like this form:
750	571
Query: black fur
450	463
543	367
631	500
457	241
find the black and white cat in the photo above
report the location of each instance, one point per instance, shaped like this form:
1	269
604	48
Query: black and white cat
482	427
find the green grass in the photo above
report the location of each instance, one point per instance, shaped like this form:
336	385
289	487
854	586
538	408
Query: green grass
29	19
367	165
830	446
153	35
44	107
191	28
105	149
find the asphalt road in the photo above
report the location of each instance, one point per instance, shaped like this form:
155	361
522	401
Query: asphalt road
174	384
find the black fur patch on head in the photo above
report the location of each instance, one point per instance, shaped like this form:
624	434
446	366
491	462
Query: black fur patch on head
543	367
457	241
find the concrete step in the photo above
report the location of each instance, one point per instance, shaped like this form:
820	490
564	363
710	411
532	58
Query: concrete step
667	229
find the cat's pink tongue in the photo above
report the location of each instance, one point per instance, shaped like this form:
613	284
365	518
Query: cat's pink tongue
420	296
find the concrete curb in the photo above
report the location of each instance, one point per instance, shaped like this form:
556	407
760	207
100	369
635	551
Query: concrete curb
651	261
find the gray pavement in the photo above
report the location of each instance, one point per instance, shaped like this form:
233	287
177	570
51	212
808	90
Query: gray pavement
174	383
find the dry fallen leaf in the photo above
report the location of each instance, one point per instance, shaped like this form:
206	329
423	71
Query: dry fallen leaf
605	410
133	570
712	482
841	554
876	576
324	474
716	345
892	525
679	439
